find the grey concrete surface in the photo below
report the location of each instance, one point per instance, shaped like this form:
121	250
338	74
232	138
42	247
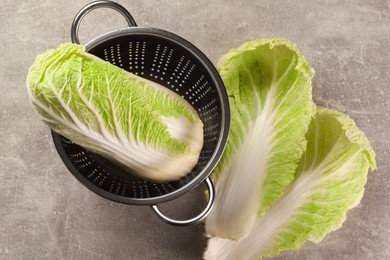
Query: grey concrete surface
46	214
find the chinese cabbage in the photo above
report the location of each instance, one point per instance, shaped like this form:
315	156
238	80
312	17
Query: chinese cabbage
148	129
269	86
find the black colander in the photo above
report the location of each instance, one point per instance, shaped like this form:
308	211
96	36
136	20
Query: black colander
173	62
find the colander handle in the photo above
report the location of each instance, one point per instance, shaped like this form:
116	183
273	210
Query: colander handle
94	5
196	219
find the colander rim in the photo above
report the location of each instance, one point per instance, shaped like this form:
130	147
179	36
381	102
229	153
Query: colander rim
225	120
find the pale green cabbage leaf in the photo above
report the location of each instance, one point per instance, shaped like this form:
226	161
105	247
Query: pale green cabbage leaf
150	130
269	87
328	182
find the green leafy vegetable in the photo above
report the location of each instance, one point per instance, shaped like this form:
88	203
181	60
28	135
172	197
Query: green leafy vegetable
269	88
150	130
328	182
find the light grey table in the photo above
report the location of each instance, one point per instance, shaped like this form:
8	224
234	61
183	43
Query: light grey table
46	214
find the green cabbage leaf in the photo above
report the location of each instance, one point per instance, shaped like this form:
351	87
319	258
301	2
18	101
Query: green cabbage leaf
269	87
329	181
151	131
